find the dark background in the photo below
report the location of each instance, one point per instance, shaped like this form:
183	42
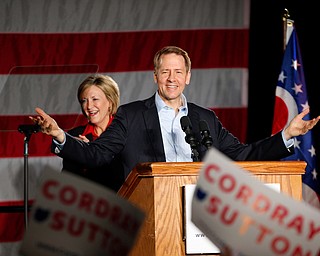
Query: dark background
265	59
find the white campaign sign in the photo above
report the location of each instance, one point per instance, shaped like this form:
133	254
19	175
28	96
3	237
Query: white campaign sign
74	216
241	215
196	241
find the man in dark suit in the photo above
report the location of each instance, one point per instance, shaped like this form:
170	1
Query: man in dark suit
150	131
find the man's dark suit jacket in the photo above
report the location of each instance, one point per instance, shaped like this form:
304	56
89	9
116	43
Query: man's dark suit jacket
135	137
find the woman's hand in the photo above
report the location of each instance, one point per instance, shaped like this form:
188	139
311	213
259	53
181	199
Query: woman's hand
83	138
48	125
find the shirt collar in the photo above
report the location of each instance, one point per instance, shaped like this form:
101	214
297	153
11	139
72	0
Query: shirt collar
160	104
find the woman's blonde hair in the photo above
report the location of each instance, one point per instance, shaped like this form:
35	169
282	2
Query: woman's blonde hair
109	87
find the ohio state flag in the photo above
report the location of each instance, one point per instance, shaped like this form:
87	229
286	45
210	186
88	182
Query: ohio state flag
292	99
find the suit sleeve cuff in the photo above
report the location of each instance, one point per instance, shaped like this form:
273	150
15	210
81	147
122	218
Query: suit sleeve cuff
288	143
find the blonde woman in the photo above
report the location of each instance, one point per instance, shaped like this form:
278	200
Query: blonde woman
99	98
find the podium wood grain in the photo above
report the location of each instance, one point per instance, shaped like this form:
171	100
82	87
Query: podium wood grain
157	189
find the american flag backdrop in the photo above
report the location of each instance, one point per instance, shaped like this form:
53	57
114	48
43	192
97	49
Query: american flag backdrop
47	47
291	99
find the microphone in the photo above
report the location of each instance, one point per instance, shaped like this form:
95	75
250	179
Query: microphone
190	138
205	134
29	128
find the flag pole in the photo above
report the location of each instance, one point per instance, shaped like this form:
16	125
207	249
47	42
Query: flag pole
287	27
285	18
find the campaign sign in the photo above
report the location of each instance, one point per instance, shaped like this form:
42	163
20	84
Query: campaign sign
196	241
238	213
76	217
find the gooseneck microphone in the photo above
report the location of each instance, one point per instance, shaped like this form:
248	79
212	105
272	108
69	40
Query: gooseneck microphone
29	128
190	138
205	134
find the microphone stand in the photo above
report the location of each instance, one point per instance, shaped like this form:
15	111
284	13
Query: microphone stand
27	130
194	152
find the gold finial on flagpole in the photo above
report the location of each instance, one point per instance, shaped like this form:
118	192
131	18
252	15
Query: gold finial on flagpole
285	18
286	14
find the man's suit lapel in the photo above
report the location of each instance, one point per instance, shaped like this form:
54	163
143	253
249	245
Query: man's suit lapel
195	119
152	124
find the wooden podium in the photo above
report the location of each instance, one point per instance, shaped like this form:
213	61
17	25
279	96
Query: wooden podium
157	189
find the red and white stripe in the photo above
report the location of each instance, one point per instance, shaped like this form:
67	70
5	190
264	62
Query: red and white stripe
48	47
